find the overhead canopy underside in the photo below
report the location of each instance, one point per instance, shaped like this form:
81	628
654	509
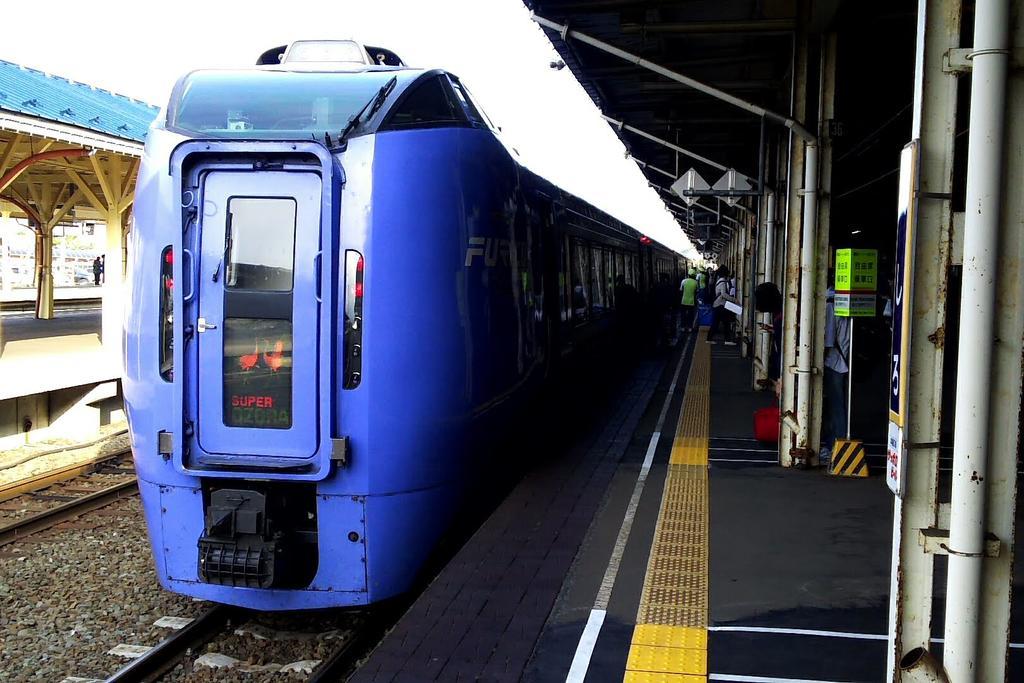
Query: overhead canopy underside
744	47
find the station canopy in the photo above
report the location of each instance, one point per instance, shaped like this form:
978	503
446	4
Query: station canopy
68	152
743	47
99	132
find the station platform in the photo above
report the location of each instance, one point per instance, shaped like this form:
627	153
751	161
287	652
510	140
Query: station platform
27	295
37	356
667	545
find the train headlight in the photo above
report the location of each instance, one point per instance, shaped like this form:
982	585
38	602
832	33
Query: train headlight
354	267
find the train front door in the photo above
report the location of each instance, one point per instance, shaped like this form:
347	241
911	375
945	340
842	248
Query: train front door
258	316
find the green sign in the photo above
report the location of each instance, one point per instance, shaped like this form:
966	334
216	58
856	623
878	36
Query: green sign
856	282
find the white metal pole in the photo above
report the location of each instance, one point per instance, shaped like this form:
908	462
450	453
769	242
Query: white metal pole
805	347
974	360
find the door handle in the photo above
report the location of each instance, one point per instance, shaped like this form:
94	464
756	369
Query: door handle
191	279
203	326
317	267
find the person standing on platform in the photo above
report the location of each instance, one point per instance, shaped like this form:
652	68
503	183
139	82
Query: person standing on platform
688	301
719	315
97	268
702	287
837	371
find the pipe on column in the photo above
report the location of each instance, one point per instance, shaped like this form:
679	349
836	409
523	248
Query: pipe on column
769	240
974	361
806	320
764	340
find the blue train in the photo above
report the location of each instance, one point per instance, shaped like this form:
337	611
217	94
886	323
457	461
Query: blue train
342	286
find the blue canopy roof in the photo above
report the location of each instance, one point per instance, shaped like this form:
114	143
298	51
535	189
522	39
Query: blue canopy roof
34	93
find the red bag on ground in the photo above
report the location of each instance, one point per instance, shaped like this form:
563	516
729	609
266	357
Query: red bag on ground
766	424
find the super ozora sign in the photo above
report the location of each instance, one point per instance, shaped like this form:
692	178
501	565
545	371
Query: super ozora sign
856	282
903	278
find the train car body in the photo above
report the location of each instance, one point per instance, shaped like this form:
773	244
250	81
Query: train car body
326	331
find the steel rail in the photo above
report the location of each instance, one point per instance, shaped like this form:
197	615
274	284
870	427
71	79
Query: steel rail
24	306
61	474
74	508
164	656
341	664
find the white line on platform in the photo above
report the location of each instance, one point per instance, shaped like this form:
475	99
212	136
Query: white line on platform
585	648
799	632
818	632
762	460
737	678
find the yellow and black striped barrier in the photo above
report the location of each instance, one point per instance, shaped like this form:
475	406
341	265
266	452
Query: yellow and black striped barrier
849	459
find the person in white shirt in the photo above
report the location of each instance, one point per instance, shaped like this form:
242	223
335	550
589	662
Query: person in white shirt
834	382
719	315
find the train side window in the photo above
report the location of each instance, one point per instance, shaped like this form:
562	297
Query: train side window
429	104
580	281
471	110
620	267
598	298
564	281
260	244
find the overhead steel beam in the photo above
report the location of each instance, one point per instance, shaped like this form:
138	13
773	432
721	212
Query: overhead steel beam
717	93
760	26
19	168
602	5
665	143
658	86
720	60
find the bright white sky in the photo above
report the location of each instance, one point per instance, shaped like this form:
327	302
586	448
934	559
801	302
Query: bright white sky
139	49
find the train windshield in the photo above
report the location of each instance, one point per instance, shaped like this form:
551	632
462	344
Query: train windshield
272	104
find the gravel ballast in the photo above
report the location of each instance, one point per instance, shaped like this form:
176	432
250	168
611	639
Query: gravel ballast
70	594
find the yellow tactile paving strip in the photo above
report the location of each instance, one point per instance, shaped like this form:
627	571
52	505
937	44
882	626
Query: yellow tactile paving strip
670	641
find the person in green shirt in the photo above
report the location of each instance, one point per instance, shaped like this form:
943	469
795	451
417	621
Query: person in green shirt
688	302
702	285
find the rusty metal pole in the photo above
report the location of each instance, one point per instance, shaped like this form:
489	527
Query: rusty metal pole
826	109
791	261
934	125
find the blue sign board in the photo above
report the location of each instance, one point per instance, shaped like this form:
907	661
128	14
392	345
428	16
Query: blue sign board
903	279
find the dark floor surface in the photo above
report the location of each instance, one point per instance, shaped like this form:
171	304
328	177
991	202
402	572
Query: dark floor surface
799	561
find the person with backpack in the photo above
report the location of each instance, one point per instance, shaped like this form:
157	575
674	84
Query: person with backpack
719	315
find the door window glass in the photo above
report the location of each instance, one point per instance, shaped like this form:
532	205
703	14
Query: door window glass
580	281
258	373
260	247
599	300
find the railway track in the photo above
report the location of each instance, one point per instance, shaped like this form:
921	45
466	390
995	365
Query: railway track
63	494
164	656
